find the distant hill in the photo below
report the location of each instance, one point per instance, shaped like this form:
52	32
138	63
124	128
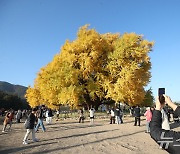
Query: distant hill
13	89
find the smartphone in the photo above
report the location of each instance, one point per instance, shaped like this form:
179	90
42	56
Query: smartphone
161	91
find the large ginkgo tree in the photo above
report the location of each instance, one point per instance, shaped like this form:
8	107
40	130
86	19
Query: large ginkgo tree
93	68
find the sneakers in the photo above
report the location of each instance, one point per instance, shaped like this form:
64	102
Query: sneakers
3	131
35	140
24	142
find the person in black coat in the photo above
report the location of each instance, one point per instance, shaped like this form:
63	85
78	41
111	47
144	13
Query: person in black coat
81	116
18	116
137	115
29	125
167	139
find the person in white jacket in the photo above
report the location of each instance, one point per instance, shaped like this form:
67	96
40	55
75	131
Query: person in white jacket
91	111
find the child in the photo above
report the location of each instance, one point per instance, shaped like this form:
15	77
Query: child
29	125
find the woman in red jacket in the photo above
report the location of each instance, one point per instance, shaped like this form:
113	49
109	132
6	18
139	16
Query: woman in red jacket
148	115
8	120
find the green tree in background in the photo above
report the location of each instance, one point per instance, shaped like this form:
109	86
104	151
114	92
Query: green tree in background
8	101
148	99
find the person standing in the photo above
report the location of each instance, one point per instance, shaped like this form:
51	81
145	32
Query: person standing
121	115
29	125
81	116
117	116
91	111
131	111
18	116
137	115
57	115
112	118
50	115
148	115
40	119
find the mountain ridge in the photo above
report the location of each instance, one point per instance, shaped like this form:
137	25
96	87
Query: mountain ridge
13	89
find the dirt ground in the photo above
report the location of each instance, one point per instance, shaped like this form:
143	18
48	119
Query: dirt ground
71	137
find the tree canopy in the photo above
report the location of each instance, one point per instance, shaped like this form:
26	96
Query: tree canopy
93	68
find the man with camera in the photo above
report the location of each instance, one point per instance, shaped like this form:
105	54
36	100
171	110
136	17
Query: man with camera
167	139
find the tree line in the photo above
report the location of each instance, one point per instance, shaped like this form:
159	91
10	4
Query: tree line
9	101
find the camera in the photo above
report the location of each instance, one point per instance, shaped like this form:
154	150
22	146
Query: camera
161	91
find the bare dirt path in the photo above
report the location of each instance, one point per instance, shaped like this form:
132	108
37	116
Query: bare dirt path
70	137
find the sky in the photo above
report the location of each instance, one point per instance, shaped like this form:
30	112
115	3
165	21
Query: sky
33	31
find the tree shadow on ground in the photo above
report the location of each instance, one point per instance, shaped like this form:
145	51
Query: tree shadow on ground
74	127
78	135
73	122
97	141
13	150
40	144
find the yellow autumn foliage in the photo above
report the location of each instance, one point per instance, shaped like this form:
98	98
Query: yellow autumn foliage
94	67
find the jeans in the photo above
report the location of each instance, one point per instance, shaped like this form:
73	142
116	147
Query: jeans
40	123
118	120
147	126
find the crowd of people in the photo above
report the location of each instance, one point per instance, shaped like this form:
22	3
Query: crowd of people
36	117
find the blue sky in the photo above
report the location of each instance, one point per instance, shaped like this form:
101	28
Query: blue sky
33	31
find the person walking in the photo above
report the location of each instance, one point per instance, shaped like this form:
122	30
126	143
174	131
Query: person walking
148	115
8	120
41	117
137	115
29	125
